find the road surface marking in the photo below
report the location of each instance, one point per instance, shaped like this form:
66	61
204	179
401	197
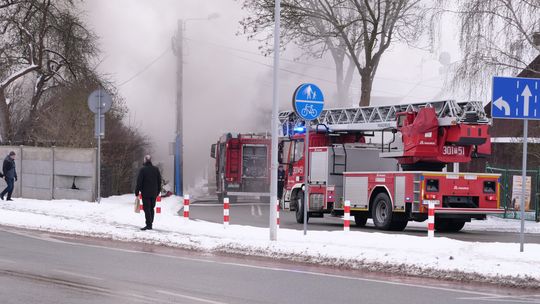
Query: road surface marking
505	299
78	275
287	270
188	297
235	205
485	294
7	261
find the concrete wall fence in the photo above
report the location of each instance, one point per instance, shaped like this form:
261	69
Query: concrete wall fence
54	173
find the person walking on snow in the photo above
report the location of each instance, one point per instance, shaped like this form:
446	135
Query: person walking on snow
10	175
149	186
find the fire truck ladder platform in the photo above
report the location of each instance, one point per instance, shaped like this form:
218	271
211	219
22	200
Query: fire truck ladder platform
383	117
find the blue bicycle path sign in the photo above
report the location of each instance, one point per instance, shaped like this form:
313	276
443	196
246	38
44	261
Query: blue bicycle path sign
516	98
308	101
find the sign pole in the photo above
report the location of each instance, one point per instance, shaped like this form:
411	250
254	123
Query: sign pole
99	149
516	98
306	174
308	103
523	184
99	102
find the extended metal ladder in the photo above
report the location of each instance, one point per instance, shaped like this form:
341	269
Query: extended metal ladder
383	117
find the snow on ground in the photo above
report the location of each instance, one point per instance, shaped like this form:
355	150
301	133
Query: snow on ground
493	224
440	257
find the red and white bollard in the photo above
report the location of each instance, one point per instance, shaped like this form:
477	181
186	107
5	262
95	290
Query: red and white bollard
186	207
431	220
277	214
158	208
225	212
347	216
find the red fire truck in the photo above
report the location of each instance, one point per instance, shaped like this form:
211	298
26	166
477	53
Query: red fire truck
392	181
242	166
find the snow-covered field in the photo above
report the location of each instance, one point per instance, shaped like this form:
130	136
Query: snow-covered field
440	257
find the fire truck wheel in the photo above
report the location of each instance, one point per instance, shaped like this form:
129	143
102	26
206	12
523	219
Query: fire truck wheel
383	216
300	208
448	225
382	211
360	220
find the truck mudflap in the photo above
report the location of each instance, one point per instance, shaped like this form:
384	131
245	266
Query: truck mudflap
441	210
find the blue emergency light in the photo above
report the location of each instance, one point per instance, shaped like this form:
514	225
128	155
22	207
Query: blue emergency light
299	129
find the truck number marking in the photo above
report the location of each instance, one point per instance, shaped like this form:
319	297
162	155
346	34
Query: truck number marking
453	150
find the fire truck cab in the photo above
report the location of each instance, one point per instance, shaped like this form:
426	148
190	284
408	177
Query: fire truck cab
242	166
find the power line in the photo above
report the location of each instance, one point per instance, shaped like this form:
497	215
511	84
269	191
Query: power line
304	63
258	54
145	68
309	76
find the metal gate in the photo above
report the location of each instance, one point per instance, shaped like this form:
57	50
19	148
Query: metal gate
506	192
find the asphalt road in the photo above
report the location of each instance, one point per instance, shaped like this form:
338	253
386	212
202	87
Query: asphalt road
43	268
256	214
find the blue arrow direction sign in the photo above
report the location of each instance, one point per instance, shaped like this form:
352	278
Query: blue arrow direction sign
516	98
308	101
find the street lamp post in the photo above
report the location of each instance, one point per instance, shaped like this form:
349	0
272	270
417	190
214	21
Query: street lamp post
275	124
178	49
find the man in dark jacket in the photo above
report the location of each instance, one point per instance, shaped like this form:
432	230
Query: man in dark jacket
10	175
149	185
281	182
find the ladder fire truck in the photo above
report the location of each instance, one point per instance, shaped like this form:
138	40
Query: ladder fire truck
242	166
392	181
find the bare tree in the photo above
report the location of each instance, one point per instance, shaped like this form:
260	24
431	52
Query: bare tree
44	39
64	120
497	37
359	30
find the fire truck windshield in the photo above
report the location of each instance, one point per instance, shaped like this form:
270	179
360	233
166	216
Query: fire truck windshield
298	150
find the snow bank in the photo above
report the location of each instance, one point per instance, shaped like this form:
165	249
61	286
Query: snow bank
440	257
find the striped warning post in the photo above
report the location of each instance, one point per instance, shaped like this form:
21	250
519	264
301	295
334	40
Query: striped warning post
158	208
431	220
186	207
277	213
347	216
225	212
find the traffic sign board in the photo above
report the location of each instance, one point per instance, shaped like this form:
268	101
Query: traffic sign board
99	98
308	101
516	98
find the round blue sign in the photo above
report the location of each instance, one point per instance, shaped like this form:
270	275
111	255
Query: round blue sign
308	101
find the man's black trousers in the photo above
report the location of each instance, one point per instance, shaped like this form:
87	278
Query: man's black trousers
148	207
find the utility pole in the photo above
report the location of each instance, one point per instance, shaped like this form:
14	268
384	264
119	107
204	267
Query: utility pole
178	48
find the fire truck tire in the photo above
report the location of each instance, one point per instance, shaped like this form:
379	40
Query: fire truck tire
383	216
300	208
448	225
360	220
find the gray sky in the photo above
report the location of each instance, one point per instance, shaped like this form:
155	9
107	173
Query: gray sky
227	85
